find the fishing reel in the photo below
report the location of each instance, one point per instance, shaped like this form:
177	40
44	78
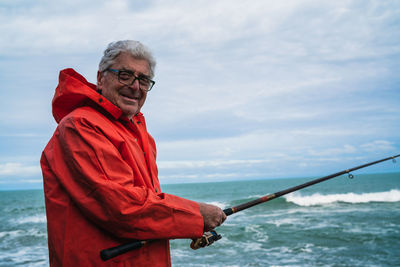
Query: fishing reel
207	239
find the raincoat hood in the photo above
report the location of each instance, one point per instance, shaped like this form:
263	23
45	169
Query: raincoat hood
74	91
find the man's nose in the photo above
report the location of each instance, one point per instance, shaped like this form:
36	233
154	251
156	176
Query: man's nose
135	85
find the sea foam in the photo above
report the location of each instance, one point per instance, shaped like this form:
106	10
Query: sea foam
318	199
220	205
40	218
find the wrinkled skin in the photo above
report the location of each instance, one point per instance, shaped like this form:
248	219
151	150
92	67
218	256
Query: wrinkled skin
129	99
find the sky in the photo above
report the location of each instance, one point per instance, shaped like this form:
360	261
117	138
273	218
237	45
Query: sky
244	89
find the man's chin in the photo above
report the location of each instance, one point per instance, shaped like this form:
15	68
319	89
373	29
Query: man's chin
131	112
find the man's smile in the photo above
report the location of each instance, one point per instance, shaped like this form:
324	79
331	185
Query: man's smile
130	96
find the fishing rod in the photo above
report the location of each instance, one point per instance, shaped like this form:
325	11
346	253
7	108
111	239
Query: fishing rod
209	237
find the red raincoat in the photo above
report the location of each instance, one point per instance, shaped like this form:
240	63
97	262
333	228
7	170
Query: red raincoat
101	186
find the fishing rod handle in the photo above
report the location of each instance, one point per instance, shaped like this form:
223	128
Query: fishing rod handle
206	240
229	211
113	252
110	253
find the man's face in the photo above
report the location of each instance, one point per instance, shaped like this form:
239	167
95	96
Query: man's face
129	99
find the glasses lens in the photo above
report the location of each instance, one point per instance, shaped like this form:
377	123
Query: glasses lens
144	83
128	78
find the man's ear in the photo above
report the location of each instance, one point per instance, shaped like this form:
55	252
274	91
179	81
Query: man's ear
100	77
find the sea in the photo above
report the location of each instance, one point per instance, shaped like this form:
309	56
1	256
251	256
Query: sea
340	222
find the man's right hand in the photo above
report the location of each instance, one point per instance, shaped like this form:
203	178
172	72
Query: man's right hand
213	216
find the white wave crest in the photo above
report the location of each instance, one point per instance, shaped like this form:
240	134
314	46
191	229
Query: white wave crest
11	234
220	205
31	219
318	199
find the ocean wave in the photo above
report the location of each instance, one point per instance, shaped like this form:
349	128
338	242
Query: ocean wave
252	246
257	232
40	218
353	198
14	234
220	205
35	256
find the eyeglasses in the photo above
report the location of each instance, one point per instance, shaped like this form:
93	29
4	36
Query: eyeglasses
128	78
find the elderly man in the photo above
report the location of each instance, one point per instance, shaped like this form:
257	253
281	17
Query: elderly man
99	169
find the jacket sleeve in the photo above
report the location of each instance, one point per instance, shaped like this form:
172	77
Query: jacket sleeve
101	184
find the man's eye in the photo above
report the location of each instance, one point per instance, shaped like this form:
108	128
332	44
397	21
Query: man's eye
125	75
144	81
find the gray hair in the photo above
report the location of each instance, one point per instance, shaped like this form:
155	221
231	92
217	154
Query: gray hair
135	48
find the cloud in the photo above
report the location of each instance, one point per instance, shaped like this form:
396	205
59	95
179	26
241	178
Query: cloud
266	144
346	149
215	176
243	88
201	164
18	169
292	28
379	145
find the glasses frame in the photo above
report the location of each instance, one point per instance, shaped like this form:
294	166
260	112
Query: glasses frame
118	73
